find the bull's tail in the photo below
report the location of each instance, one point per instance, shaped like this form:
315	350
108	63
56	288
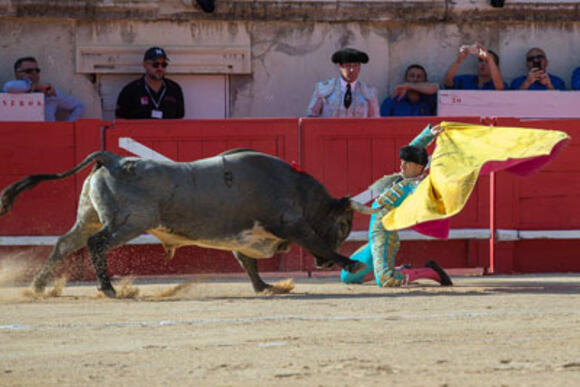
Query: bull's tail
10	193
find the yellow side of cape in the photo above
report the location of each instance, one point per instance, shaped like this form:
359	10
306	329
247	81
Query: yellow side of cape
461	152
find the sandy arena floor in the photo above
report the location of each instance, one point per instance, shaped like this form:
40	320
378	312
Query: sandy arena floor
491	331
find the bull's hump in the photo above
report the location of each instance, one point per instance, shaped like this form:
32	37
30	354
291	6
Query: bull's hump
255	242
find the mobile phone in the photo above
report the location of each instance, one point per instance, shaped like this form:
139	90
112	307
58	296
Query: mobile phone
473	50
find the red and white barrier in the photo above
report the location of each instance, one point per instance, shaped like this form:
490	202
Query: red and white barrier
538	221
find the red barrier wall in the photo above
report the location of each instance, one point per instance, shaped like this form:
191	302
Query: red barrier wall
346	155
37	147
547	200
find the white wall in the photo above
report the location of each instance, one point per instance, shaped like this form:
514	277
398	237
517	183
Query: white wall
287	57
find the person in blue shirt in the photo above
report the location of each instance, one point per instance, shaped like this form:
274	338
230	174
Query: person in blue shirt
576	79
537	78
414	97
488	75
27	80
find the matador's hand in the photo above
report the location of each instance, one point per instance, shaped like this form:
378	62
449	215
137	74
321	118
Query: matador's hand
436	130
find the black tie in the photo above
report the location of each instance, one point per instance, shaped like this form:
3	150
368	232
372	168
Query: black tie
347	96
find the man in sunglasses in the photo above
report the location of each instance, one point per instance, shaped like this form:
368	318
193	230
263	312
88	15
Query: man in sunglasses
153	96
27	74
538	78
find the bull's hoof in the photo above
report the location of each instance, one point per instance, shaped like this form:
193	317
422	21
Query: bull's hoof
38	286
355	267
109	292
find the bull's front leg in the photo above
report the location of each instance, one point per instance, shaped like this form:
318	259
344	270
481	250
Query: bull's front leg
250	265
66	244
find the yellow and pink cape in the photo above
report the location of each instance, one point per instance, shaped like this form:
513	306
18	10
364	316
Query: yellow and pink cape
462	153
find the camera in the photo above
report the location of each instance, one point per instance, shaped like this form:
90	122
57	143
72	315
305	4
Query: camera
473	50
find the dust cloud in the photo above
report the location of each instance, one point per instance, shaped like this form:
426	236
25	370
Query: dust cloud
16	267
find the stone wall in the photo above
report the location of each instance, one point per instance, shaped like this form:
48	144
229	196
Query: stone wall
291	41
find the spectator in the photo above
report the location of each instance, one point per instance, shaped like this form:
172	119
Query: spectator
576	79
538	78
152	95
488	75
27	74
345	96
415	97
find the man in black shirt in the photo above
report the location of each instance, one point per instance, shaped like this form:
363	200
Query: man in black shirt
152	95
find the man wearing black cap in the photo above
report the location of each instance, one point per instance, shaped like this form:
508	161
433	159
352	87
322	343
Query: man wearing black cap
380	253
152	95
345	96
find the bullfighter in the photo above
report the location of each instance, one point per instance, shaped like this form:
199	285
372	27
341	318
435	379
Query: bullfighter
380	253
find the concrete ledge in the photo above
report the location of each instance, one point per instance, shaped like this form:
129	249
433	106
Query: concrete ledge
299	10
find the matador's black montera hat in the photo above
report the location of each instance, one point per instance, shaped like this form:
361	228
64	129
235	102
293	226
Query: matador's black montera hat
349	55
414	154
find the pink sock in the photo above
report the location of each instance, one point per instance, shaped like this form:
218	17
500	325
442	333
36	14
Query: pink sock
424	272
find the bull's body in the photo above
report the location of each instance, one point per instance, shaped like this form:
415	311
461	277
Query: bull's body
244	201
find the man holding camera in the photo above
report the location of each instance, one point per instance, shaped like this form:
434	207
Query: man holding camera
488	75
538	78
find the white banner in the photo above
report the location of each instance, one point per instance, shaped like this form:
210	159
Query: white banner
22	107
509	103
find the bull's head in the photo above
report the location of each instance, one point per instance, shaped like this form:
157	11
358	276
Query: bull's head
337	226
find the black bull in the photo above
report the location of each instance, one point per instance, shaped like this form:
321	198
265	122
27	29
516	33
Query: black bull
244	201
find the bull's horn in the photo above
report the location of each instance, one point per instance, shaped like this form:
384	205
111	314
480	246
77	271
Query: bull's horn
359	207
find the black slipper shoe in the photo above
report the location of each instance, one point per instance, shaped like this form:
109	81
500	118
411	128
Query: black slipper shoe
445	280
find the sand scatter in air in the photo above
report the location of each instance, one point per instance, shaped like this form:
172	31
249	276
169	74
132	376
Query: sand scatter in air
281	287
56	291
16	267
59	284
178	290
193	289
125	288
32	295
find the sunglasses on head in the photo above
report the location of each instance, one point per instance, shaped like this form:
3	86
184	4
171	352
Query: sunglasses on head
535	57
160	64
30	71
